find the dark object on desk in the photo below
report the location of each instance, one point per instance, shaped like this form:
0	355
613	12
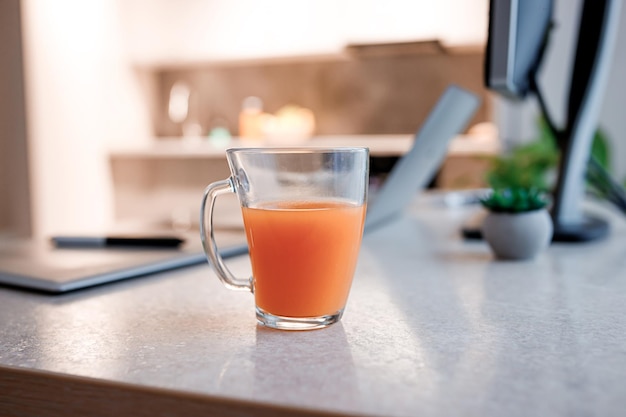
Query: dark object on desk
117	241
472	227
471	232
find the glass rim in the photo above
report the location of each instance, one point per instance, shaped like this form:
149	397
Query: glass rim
299	150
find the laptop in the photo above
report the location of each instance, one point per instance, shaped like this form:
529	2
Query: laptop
417	167
39	266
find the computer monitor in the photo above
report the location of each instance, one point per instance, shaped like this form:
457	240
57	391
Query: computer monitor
517	38
517	30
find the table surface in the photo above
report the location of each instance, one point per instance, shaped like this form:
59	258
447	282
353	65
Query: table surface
434	327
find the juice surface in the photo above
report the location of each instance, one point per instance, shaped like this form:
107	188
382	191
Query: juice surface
303	255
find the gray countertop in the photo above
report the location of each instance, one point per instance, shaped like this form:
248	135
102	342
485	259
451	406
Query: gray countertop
434	327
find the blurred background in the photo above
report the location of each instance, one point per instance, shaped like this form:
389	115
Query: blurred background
116	111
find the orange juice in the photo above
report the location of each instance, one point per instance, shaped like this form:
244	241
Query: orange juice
303	255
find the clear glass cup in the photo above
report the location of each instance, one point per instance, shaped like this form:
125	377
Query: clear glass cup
303	212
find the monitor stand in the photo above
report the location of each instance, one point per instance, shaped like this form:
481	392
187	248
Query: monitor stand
596	40
588	229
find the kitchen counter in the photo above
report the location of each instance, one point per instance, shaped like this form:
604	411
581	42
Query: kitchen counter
203	148
434	327
163	178
379	146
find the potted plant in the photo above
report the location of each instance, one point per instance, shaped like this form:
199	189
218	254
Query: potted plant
518	225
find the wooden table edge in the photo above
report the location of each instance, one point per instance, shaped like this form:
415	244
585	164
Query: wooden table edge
27	392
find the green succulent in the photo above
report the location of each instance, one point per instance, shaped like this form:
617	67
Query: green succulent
529	165
515	200
525	171
526	166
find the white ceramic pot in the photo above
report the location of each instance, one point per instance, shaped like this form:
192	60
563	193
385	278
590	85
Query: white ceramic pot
518	235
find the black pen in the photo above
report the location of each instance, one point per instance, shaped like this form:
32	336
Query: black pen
116	241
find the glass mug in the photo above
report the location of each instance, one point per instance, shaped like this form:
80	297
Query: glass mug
303	211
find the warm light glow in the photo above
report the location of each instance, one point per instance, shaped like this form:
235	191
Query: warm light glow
82	96
290	125
165	31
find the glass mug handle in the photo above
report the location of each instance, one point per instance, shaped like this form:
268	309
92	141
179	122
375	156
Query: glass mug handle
208	240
